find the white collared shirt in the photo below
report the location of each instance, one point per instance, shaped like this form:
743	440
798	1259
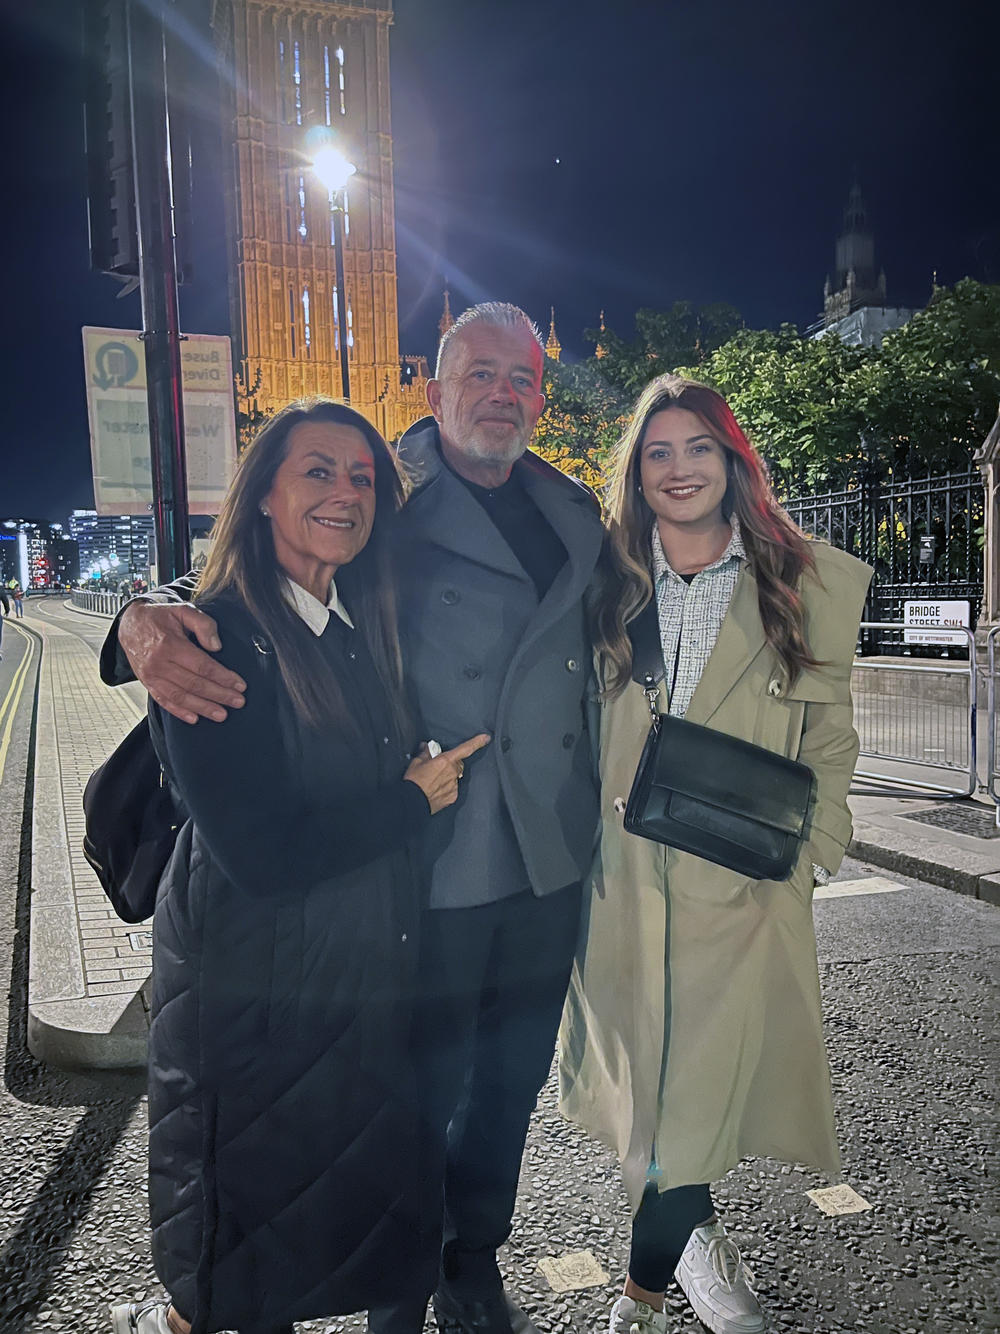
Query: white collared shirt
691	614
312	611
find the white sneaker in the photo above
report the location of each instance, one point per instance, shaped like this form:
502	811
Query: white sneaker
717	1283
631	1317
141	1317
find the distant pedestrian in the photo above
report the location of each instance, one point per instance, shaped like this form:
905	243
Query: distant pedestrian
4	611
18	596
692	1035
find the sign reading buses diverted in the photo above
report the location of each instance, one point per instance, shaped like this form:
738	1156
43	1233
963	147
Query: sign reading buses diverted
119	422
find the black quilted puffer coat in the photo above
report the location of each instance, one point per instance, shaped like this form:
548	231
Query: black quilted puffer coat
284	1167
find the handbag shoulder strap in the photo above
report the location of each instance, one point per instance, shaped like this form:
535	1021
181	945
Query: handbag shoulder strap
648	667
647	650
647	657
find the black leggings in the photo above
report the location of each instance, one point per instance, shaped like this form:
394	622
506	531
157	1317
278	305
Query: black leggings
661	1229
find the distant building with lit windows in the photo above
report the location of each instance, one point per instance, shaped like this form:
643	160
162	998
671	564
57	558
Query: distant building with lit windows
10	565
37	554
112	544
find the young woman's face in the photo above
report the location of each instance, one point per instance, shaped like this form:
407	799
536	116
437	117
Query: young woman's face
682	470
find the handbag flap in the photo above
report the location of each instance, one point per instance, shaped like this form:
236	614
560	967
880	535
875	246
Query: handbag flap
733	775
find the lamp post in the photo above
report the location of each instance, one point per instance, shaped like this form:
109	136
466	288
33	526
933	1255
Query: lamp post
333	170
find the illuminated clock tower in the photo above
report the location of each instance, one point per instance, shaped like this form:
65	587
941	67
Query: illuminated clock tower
297	75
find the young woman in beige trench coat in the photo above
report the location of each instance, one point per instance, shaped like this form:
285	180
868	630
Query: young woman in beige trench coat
692	1032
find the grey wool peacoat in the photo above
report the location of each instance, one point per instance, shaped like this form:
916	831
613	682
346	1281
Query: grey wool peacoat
482	654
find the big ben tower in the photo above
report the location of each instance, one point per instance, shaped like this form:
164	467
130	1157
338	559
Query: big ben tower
297	75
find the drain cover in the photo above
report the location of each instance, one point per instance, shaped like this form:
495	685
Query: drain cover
971	820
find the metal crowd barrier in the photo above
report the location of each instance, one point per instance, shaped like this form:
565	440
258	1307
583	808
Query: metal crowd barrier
992	733
108	604
930	724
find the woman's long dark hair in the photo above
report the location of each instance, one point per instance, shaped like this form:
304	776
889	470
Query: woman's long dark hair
777	550
242	561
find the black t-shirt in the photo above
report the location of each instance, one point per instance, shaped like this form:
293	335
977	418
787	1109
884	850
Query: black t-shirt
523	527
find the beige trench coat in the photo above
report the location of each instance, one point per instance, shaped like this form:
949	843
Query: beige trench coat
691	974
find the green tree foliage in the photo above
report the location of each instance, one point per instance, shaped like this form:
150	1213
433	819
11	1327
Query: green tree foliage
588	403
684	335
818	411
583	417
922	402
796	399
932	392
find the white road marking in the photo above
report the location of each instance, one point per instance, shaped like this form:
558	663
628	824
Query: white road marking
14	695
840	1199
873	884
569	1273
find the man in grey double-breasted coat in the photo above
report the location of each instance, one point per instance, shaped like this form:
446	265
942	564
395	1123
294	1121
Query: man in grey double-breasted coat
497	550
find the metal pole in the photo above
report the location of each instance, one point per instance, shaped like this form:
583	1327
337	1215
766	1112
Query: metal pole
338	246
158	284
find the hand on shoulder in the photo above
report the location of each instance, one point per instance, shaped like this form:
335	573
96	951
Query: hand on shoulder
168	647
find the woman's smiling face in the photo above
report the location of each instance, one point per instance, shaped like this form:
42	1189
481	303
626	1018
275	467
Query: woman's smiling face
682	469
322	502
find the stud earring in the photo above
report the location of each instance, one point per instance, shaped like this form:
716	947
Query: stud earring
266	513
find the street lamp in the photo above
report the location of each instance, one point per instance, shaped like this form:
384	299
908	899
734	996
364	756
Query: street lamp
333	170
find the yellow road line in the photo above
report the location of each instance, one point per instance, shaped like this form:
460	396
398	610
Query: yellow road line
14	696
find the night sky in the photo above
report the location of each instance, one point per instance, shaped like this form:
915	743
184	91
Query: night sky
580	154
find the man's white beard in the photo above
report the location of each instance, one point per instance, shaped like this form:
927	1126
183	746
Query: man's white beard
484	452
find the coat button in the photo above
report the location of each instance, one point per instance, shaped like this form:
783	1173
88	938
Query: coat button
450	596
403	937
568	740
385	741
572	665
471	673
505	743
620	805
774	688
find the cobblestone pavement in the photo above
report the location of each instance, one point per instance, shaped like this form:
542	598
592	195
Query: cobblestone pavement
88	721
86	997
909	980
909	983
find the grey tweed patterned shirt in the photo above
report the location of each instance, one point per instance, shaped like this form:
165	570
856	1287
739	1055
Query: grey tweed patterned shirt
691	614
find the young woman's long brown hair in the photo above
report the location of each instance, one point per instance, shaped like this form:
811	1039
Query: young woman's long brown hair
242	562
777	550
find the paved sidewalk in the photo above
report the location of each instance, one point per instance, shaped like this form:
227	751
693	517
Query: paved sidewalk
86	998
86	1001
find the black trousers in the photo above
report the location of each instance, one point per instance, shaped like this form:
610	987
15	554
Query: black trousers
494	980
660	1231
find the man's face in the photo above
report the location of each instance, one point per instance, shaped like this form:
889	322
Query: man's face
489	396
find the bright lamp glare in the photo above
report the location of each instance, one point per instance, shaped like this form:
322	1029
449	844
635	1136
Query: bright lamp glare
332	169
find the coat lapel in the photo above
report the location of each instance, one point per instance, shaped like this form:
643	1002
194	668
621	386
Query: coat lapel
570	513
740	639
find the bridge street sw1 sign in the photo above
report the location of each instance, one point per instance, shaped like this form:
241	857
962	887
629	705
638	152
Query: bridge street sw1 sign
932	622
119	422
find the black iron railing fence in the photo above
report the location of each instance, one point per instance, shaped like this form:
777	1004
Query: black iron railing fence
923	535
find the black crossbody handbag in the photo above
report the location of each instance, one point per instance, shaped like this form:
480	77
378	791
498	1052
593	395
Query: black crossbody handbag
714	795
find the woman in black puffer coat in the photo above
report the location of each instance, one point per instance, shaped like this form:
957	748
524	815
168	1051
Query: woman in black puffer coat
285	1166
